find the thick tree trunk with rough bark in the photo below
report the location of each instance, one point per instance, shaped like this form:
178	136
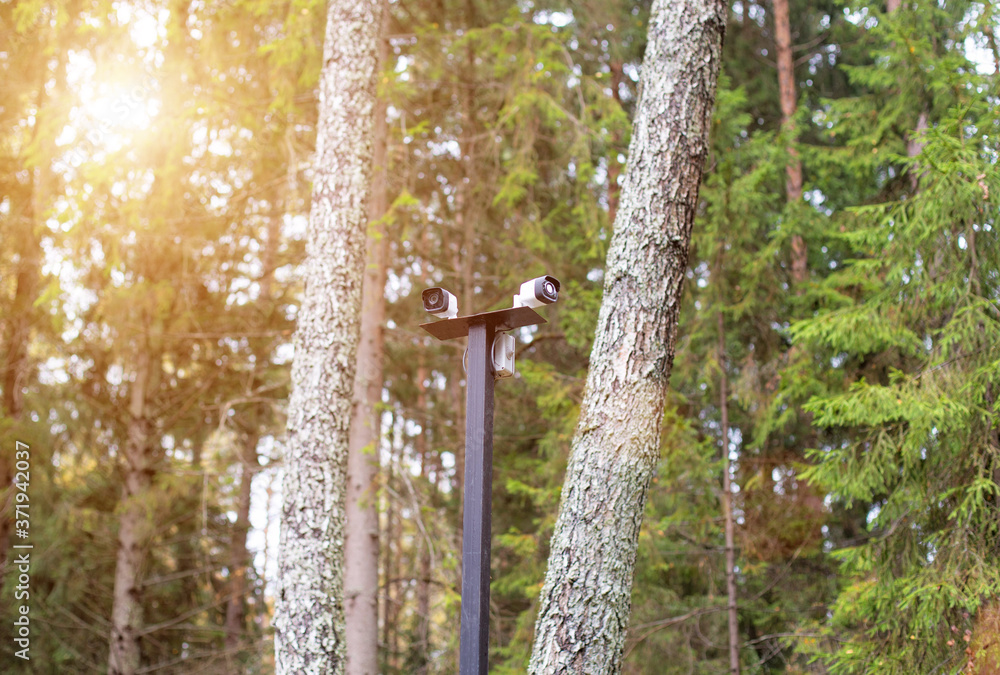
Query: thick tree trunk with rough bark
361	542
584	607
309	611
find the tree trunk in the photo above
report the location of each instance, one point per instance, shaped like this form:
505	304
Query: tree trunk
133	530
584	606
424	553
390	604
614	168
361	542
238	545
983	652
788	100
309	609
249	457
15	368
727	508
914	146
16	337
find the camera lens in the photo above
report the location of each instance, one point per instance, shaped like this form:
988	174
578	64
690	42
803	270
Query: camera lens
550	289
434	299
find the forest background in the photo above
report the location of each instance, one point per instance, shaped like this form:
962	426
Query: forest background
840	314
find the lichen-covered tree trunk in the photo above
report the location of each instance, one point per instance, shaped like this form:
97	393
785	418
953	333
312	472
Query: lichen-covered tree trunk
584	606
309	611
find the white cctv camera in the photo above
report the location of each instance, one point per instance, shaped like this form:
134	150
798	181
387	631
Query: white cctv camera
538	292
440	303
503	356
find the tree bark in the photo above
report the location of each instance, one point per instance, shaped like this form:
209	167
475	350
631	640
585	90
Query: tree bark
361	541
133	530
309	609
390	604
585	600
424	574
727	508
983	652
614	168
249	457
238	544
913	146
789	101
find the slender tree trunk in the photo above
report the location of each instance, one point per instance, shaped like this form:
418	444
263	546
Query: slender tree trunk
983	652
17	335
248	456
18	328
390	602
914	146
235	623
614	168
133	530
361	542
309	611
15	368
265	615
787	96
788	100
727	508
424	573
585	600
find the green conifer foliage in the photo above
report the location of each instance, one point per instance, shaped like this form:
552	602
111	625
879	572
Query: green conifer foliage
911	323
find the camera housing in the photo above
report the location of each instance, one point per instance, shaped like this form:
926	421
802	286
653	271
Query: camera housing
503	356
440	303
537	292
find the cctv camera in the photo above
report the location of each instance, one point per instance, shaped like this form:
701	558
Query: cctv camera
538	292
440	303
503	356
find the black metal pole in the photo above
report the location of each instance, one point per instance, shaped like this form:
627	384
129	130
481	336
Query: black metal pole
475	635
480	328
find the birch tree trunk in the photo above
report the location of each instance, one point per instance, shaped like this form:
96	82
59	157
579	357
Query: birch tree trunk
309	611
361	542
585	600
